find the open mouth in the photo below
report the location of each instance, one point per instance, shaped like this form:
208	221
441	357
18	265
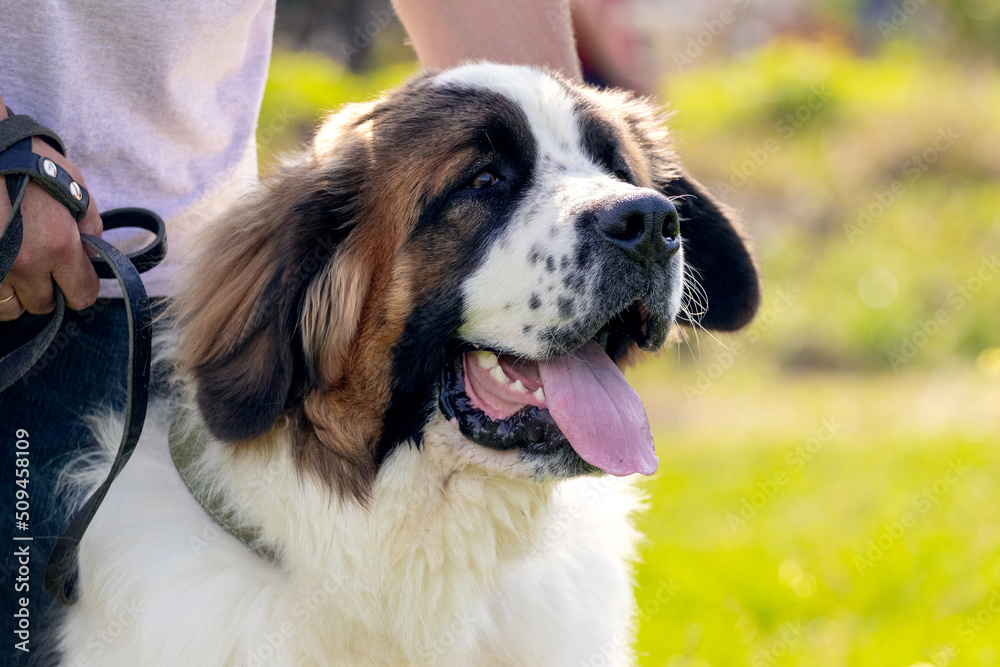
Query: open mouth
578	400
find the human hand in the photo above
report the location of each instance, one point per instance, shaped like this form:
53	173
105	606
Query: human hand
51	248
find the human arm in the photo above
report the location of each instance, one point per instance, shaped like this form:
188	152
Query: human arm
446	33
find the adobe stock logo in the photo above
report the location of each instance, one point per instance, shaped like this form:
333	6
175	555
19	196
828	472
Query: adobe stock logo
922	502
365	34
768	316
786	127
957	297
912	169
712	29
796	459
901	14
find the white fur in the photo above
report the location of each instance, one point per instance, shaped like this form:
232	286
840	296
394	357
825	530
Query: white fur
566	183
545	102
460	558
449	565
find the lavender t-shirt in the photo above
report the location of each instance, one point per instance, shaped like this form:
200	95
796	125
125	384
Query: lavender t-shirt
157	102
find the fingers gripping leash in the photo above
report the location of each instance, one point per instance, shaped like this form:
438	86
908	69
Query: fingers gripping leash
20	165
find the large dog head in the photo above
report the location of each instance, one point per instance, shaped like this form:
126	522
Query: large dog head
487	244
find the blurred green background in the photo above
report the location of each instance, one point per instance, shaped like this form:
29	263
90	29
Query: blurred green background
827	492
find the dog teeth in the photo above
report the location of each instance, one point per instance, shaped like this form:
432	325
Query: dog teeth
497	374
486	359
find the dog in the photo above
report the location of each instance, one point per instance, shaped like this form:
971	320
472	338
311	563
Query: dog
406	435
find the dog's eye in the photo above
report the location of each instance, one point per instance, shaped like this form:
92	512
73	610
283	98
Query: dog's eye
623	175
483	179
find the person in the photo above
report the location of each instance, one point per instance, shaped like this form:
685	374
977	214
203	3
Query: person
611	49
157	106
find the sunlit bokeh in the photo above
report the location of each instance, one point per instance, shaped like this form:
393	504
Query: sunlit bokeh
827	492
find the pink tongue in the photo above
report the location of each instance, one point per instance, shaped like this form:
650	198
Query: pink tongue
598	412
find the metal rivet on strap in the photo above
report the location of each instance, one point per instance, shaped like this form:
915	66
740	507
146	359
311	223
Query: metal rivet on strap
75	190
50	168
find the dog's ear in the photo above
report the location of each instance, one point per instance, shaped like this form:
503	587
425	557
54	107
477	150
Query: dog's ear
241	310
723	290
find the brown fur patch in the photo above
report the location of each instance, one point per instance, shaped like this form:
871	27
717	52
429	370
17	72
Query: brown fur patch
265	278
310	297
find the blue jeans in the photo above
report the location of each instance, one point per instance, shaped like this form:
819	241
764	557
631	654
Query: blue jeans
84	369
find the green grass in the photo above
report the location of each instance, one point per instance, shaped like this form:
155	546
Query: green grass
789	581
301	88
866	186
865	286
771	491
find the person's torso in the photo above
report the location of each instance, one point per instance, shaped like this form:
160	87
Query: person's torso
157	103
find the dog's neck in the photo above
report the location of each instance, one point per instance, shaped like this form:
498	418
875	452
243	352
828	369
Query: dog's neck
434	518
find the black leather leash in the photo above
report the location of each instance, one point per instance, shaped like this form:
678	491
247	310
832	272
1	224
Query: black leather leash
20	165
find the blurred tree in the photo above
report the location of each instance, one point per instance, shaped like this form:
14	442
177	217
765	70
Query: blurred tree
361	34
970	28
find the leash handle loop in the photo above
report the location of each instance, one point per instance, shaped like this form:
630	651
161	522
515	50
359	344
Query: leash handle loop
19	164
144	259
20	360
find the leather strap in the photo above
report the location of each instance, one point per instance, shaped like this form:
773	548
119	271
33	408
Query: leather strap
144	259
17	362
48	174
61	570
16	127
19	164
10	240
186	447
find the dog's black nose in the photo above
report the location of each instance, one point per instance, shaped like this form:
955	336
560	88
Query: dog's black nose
644	225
